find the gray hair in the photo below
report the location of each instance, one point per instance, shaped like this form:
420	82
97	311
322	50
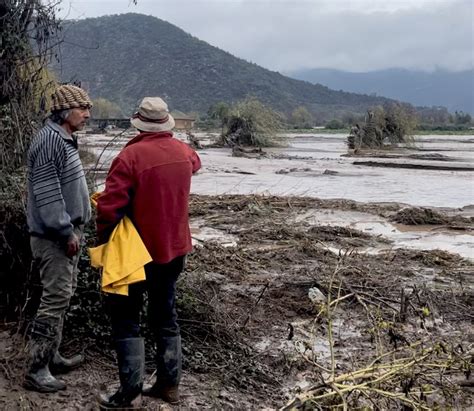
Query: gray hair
60	116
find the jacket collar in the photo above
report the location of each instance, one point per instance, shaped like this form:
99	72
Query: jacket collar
70	139
149	135
56	127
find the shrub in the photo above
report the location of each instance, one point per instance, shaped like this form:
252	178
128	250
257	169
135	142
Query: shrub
334	125
15	255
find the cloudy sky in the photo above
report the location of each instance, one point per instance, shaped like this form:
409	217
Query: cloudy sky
285	35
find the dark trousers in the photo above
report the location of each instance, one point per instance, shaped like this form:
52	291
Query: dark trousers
160	285
162	318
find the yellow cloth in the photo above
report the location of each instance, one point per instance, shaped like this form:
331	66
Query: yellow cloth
122	258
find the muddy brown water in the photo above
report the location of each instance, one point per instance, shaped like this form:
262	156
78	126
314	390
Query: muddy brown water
305	158
316	165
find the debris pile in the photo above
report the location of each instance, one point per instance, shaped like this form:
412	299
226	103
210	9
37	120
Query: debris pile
297	313
418	216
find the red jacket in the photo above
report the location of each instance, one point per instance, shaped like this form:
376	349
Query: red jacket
150	182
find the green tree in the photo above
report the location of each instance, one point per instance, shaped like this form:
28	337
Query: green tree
104	108
462	118
219	112
434	116
301	118
334	125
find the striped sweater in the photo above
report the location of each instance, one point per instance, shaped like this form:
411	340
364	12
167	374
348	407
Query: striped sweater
58	198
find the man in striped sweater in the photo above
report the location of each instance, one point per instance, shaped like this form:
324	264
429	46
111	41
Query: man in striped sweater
58	208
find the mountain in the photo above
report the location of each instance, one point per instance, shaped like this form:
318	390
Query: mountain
454	90
126	57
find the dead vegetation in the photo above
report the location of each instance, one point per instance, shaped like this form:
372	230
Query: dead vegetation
297	314
29	32
427	216
390	379
417	216
403	351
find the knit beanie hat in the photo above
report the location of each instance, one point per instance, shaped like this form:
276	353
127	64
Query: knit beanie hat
68	96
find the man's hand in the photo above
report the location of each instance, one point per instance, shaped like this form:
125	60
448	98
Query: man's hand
72	247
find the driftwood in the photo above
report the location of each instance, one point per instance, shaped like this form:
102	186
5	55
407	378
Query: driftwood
193	141
239	151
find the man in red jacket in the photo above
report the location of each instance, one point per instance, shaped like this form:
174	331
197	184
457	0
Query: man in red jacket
149	181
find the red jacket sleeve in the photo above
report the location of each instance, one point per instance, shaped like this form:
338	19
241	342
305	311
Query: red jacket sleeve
114	202
196	161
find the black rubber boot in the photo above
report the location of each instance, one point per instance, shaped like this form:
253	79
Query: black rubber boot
62	365
41	350
168	370
131	362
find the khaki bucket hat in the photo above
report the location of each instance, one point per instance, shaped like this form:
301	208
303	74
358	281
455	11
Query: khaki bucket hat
153	115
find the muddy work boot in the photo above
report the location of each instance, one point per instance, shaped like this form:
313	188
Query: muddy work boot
62	365
131	362
41	350
168	370
167	393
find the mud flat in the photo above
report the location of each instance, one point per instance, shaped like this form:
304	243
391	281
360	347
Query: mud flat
413	166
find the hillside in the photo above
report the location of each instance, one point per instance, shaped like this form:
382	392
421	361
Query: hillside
125	57
453	90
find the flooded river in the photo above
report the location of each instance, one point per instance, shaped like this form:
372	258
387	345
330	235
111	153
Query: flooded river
316	165
317	168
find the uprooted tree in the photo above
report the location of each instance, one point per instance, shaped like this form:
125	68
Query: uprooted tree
250	123
384	126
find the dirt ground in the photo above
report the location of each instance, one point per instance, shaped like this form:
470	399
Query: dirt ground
285	308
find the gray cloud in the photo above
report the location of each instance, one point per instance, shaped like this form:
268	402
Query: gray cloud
355	35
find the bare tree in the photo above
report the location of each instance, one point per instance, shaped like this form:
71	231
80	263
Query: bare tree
29	32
